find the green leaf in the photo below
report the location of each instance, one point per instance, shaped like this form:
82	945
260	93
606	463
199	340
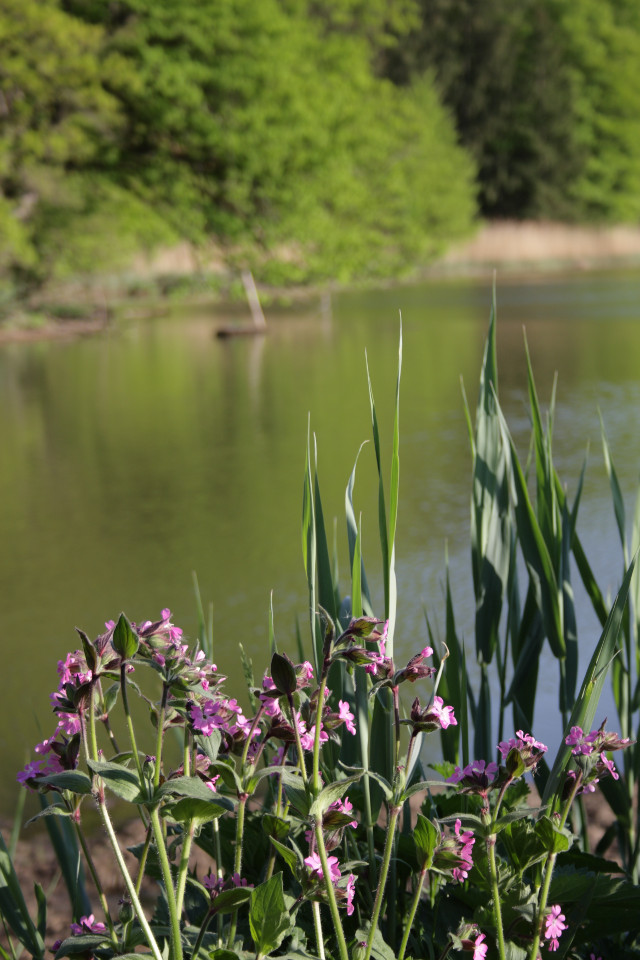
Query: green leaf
14	909
231	900
111	697
52	810
197	810
86	943
120	780
41	900
585	706
194	788
490	515
287	855
268	917
210	744
90	652
426	836
283	674
125	641
74	780
360	598
535	551
64	842
331	793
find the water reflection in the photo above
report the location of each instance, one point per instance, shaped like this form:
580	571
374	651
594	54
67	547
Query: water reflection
131	459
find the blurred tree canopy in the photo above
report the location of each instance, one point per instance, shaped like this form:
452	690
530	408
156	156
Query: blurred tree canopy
262	125
308	138
546	97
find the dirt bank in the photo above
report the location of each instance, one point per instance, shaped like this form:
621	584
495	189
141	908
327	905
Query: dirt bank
517	245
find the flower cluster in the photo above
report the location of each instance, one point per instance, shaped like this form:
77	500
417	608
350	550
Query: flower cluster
477	777
344	891
453	854
589	751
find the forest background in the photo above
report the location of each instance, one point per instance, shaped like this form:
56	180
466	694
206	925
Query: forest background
306	139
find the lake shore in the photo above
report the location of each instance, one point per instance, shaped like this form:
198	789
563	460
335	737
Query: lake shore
508	247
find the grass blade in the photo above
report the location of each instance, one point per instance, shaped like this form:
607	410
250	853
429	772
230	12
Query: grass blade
584	709
535	551
352	536
490	517
13	907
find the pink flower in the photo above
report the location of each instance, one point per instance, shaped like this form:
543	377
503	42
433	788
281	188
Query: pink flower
555	926
343	806
609	764
346	715
444	714
351	889
87	925
580	742
315	865
480	948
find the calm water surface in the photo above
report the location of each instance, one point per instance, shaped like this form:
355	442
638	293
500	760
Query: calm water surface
132	458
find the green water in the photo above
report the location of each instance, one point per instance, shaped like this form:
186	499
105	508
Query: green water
134	457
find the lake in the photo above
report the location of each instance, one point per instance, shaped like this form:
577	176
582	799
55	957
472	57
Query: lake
135	457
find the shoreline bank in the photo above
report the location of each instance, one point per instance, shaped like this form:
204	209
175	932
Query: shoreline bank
509	247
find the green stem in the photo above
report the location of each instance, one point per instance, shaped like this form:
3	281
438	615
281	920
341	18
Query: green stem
96	879
131	890
200	938
216	837
127	713
184	866
318	928
546	882
316	741
331	894
296	733
165	866
237	860
160	736
412	912
143	859
93	740
186	757
386	858
495	893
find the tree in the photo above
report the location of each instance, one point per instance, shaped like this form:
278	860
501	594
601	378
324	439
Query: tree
546	96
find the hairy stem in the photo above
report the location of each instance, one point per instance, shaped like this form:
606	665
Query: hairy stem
412	912
131	890
331	894
384	869
165	866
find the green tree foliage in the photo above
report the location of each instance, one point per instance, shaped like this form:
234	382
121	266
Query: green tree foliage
261	124
546	96
60	210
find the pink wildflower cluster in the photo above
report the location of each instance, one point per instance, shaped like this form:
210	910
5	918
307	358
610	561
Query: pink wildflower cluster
216	885
598	741
221	714
527	749
589	752
435	716
476	777
344	891
160	643
453	855
87	925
